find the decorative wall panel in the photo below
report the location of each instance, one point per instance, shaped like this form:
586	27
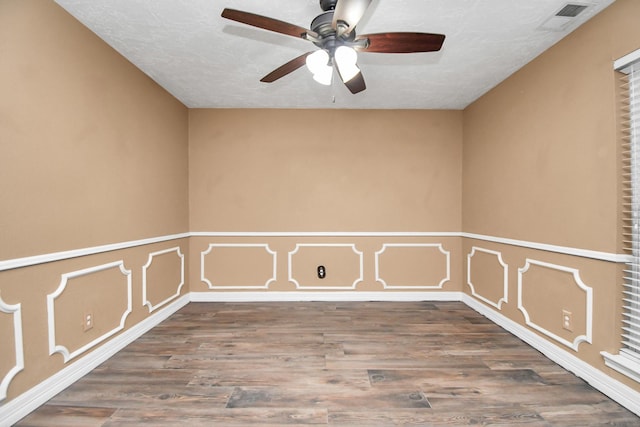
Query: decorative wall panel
11	356
545	292
238	266
341	262
102	292
162	277
490	274
412	266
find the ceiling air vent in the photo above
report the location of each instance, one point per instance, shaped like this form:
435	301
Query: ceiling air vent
564	17
571	10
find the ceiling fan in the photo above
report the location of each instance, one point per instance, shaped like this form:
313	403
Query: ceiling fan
333	31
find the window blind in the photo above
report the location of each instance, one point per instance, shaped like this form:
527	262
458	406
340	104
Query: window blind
631	170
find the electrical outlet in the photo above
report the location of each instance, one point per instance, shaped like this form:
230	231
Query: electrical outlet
567	320
87	321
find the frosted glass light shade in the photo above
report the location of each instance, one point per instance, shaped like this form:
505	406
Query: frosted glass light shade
346	59
317	61
324	76
318	64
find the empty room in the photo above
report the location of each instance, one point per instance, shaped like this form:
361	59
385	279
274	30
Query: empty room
334	212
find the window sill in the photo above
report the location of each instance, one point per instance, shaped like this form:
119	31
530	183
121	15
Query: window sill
625	364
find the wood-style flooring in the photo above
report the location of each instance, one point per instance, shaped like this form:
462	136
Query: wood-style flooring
317	363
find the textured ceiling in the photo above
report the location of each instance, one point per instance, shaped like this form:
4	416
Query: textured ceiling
209	62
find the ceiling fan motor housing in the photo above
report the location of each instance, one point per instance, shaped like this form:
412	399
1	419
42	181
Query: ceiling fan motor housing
323	26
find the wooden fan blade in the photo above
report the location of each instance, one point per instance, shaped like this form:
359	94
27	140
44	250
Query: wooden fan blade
402	42
266	23
285	69
356	84
349	12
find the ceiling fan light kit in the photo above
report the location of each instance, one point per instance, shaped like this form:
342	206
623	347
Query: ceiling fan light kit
346	60
318	64
333	32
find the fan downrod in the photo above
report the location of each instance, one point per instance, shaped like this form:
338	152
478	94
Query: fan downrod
328	4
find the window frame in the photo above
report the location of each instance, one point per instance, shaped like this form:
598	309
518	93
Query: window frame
627	361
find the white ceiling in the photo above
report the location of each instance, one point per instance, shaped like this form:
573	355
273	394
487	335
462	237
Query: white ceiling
209	62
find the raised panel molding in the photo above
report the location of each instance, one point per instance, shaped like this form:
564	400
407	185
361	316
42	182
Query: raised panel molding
15	311
265	285
145	300
66	277
505	277
438	246
299	246
587	337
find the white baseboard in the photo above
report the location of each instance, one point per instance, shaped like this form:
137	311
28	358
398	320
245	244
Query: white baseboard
621	393
346	296
18	408
21	406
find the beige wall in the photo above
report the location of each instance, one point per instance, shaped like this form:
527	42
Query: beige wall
92	152
540	153
541	164
325	170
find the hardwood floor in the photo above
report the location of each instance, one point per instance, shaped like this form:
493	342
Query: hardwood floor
429	363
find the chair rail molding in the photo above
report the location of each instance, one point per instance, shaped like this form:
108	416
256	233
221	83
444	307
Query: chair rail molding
9	264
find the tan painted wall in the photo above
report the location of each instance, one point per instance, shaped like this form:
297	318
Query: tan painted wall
541	164
325	170
540	152
92	152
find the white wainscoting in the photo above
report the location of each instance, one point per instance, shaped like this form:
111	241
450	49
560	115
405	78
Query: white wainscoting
15	311
145	300
351	246
58	348
22	405
588	303
438	246
271	276
505	277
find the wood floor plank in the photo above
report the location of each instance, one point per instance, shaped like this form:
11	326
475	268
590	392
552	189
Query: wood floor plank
266	417
135	395
327	397
338	363
288	378
68	416
393	417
